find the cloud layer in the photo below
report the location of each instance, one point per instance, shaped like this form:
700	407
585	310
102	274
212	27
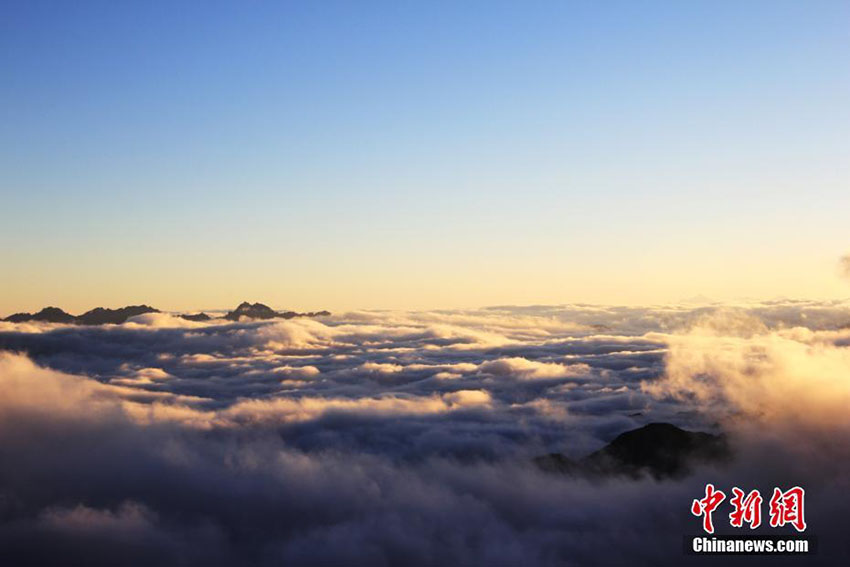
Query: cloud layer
405	438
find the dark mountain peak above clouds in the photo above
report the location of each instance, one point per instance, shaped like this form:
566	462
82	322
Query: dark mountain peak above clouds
103	316
197	317
96	316
291	314
660	449
53	315
48	315
323	313
261	311
253	311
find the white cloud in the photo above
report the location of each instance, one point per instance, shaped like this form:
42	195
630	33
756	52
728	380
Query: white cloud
306	437
524	369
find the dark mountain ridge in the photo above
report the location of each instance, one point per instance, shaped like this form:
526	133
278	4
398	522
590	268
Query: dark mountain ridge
659	449
104	316
197	317
261	311
48	314
96	316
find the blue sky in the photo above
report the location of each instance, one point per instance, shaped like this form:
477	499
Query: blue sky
427	154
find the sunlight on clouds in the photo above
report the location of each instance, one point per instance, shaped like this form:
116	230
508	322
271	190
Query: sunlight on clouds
786	378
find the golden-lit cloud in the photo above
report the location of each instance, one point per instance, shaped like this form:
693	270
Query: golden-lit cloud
789	381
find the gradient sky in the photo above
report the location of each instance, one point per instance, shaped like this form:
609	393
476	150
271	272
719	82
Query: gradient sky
349	155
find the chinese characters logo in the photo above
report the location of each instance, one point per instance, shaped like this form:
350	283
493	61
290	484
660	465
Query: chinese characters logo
784	508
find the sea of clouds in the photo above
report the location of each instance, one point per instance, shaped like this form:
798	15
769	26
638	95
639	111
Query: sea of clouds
407	438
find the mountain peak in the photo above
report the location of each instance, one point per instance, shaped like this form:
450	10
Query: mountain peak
53	315
46	315
102	315
252	311
197	317
661	449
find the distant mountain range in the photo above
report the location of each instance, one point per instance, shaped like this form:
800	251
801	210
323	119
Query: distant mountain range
97	316
660	449
104	316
